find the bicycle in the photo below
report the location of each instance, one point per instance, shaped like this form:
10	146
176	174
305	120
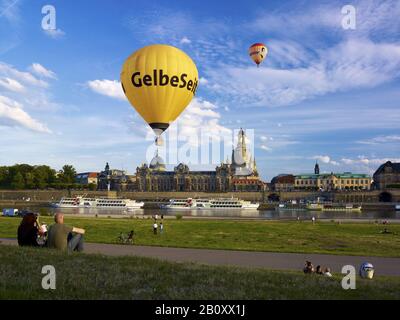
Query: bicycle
126	238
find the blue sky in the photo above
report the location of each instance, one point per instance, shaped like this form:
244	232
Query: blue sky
323	93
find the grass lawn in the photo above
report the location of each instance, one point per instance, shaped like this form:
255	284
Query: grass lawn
275	236
81	276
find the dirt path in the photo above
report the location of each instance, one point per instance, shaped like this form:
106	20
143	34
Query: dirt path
269	260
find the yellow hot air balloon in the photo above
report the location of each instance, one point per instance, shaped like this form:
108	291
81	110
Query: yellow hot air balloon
258	52
159	81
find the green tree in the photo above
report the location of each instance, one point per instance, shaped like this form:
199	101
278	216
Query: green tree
18	181
29	180
4	177
44	176
67	174
92	186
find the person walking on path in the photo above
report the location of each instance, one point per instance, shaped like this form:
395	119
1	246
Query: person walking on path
313	220
161	227
155	228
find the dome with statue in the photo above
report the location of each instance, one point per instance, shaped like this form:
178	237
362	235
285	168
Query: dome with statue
157	163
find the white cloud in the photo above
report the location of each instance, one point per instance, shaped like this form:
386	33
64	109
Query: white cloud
381	139
264	147
269	143
54	33
21	93
12	114
199	118
25	88
201	108
185	40
326	159
368	161
203	81
110	88
288	53
27	78
11	84
288	21
38	69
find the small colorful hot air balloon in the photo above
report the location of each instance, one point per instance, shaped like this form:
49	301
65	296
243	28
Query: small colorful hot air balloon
258	52
159	82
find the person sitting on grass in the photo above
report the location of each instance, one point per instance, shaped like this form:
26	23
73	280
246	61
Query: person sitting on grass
63	237
309	268
318	270
327	272
28	231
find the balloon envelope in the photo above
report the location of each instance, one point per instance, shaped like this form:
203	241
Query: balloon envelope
258	52
159	82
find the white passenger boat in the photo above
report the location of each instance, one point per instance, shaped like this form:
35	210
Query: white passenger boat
106	203
209	204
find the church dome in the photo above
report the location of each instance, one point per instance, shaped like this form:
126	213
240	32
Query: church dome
157	163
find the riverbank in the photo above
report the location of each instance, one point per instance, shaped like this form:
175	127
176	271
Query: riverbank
337	238
366	206
359	196
379	206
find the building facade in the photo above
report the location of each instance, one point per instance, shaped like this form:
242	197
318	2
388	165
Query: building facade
387	175
238	175
333	181
116	180
87	178
283	182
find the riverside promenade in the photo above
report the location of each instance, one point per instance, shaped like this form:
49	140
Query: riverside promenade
248	259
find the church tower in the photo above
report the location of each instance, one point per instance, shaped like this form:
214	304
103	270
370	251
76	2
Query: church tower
242	144
316	168
242	162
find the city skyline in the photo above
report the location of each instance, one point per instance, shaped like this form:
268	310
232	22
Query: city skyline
331	97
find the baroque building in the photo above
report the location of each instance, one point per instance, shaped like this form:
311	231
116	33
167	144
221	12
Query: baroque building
333	181
239	175
321	181
116	180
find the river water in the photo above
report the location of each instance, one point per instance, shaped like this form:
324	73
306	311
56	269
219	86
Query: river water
234	213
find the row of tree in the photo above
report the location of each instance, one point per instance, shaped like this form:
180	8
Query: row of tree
25	176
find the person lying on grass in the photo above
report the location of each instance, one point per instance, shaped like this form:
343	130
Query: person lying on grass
63	237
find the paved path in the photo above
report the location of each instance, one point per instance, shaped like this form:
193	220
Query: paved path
269	260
